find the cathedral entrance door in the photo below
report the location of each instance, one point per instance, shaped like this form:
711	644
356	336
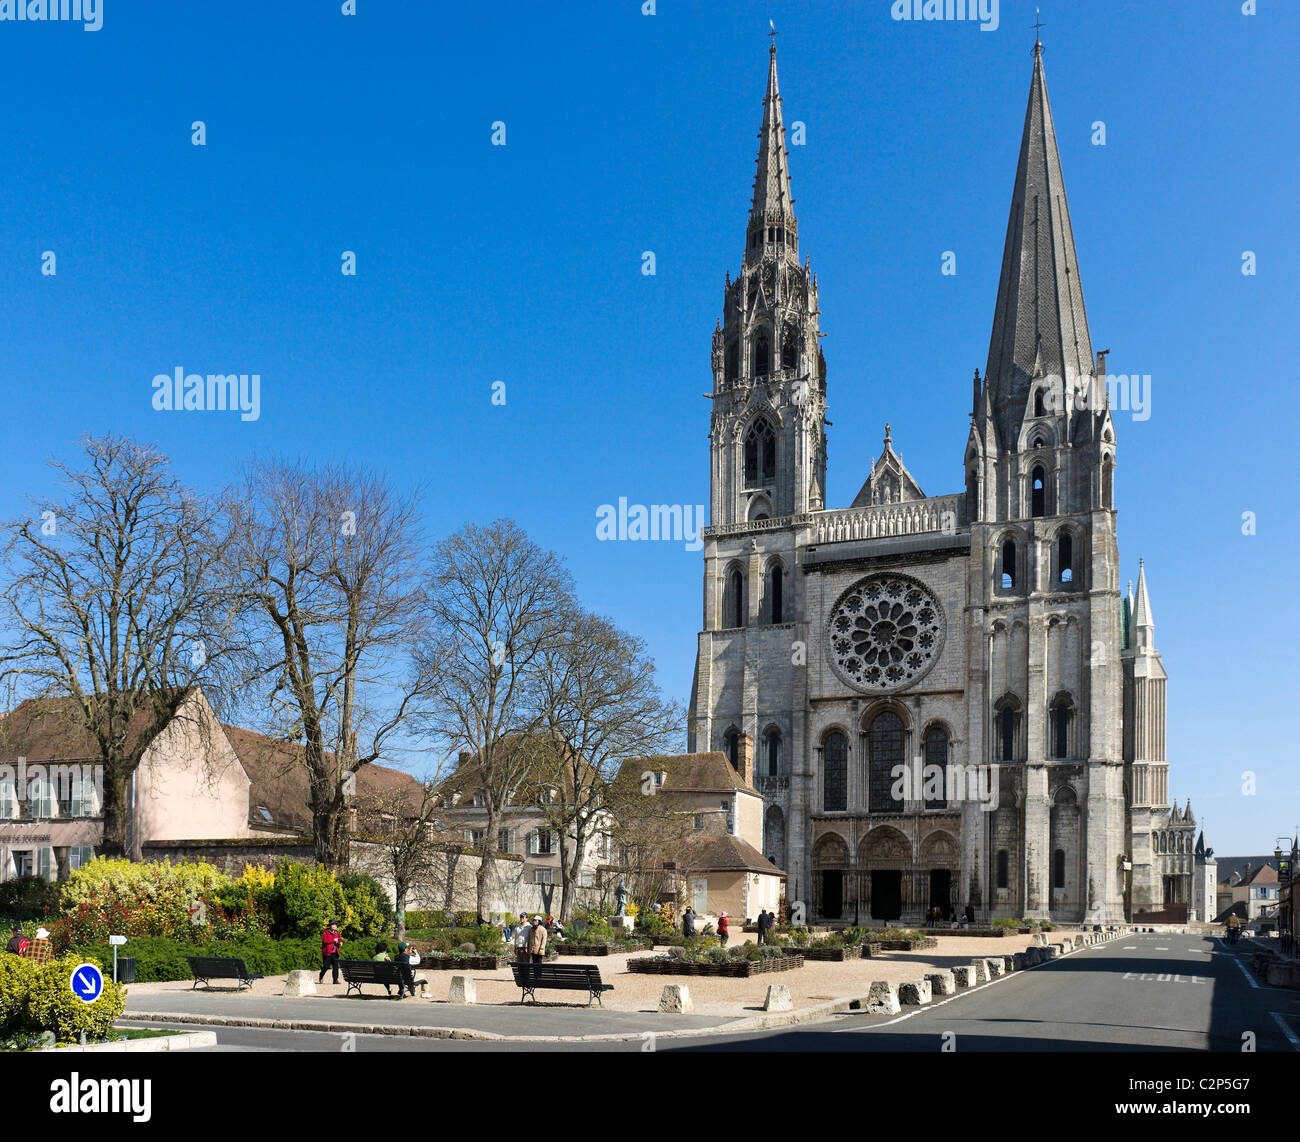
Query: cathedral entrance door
886	894
832	894
940	890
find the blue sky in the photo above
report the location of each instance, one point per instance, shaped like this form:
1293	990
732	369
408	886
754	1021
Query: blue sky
522	264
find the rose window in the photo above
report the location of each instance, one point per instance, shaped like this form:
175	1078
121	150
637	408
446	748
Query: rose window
885	633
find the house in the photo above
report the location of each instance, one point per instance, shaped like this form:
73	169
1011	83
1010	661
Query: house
1249	887
201	788
714	849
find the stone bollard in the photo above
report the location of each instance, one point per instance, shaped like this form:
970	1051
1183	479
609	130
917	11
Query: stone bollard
1038	940
1020	961
914	992
676	999
996	967
979	971
942	983
462	990
1067	945
963	977
1054	951
1008	964
300	983
778	998
882	999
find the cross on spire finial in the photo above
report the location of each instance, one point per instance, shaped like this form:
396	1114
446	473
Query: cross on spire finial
772	34
1038	26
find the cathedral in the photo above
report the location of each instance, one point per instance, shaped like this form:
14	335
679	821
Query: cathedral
947	702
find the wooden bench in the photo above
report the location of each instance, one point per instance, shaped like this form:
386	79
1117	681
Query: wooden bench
208	968
560	977
358	972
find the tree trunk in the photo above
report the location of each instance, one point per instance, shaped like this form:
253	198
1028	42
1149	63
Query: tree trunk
117	812
485	862
399	907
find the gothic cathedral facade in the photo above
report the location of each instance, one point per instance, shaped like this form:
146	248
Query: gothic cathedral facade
946	701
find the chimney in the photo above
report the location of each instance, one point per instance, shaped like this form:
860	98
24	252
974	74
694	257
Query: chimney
746	752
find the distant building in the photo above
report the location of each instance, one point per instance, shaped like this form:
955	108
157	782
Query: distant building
1249	887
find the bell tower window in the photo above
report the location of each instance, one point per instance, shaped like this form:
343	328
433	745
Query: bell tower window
760	455
762	354
1008	580
1038	494
1065	557
1039	410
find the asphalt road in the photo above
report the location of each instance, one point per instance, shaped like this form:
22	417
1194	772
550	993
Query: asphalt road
1146	992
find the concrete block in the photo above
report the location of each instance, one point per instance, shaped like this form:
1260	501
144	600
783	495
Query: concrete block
979	970
462	990
1055	951
996	967
963	977
778	998
1038	940
942	983
1008	964
882	999
300	983
676	999
1067	945
914	992
1020	961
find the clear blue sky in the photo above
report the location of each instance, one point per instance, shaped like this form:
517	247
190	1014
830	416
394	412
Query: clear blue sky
627	133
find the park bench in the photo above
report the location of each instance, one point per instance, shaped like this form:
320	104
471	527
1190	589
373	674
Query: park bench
358	972
208	968
560	977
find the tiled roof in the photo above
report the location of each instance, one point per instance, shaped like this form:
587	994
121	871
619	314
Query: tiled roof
51	729
721	853
688	772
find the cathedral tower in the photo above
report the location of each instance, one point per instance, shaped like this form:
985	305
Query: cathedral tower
1046	675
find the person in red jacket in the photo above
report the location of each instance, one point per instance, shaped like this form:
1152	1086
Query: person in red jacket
722	929
330	941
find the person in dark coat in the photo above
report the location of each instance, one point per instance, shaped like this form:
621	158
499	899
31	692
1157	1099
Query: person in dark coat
762	927
688	923
405	972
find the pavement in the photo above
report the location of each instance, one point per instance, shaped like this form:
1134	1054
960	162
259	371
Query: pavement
1146	991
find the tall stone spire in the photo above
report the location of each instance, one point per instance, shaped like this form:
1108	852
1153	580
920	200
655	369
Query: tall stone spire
1144	627
771	216
1040	327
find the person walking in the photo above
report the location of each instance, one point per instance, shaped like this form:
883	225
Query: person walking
722	929
331	940
688	923
762	926
537	941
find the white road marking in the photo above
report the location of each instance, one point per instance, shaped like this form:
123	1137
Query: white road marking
1291	1036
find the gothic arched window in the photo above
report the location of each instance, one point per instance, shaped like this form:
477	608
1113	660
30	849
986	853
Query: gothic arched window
1108	483
1009	565
775	589
733	599
1002	868
1058	868
1039	409
885	751
936	755
1059	718
1065	557
772	751
760	454
733	749
835	773
733	361
790	347
762	354
1038	494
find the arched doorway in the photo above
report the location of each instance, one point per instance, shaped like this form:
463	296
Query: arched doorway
937	874
830	863
886	858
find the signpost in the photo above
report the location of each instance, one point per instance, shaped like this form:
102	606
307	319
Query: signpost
117	942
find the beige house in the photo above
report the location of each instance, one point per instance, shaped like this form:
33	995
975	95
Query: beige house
721	867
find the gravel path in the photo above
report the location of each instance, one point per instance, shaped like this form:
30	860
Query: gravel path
816	982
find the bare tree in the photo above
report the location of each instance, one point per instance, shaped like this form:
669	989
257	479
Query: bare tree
409	847
495	601
326	558
656	843
114	605
600	706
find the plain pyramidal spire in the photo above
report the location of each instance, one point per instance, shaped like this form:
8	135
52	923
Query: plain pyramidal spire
1144	626
1040	327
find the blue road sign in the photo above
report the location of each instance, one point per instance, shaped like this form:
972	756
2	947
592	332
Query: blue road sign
87	982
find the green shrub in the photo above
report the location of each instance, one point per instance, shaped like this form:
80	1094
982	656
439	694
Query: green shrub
17	974
369	910
305	898
28	898
52	1006
416	919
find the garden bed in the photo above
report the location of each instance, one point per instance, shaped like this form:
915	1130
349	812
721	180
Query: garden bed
569	949
455	963
733	969
869	950
920	945
834	955
971	933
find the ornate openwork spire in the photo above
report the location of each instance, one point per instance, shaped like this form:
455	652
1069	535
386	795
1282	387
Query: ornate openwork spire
771	215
